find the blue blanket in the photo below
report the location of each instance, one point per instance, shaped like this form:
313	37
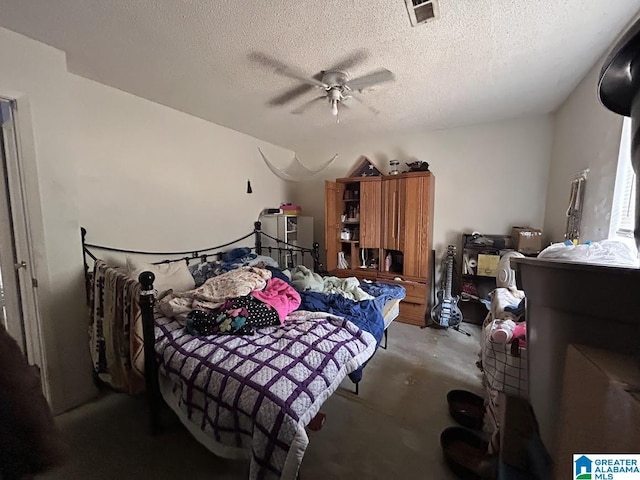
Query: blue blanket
366	315
383	291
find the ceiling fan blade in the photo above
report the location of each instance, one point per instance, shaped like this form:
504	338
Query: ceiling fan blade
288	72
283	69
290	95
379	76
352	61
306	105
373	110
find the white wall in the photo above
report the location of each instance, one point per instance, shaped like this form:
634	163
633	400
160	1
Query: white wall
489	177
37	73
586	135
136	174
154	178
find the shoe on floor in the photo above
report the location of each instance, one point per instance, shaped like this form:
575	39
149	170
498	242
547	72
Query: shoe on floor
466	408
467	454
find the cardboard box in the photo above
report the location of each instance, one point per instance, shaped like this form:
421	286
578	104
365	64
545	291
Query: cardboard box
526	240
488	265
600	406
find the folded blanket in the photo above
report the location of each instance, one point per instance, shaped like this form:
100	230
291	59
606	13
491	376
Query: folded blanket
279	295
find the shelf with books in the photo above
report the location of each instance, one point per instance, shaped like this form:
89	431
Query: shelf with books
476	278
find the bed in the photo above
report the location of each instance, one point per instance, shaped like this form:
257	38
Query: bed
242	396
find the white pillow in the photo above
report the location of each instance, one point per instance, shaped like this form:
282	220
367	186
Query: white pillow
175	276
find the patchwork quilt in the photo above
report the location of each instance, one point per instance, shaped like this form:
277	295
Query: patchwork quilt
258	392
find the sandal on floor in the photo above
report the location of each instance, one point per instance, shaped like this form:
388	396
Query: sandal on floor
466	408
467	454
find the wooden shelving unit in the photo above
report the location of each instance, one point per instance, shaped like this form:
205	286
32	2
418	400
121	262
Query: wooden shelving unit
384	215
472	286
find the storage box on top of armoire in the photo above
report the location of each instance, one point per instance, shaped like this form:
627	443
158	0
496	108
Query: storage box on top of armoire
526	240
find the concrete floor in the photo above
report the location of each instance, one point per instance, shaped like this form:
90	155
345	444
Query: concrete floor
390	431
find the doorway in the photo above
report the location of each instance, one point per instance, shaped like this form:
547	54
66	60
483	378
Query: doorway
18	301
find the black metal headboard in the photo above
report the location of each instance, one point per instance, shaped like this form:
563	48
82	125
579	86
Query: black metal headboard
210	252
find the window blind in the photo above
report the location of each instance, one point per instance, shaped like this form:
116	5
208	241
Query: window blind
624	200
626	220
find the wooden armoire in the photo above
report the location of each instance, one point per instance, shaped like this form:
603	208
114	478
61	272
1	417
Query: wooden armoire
381	228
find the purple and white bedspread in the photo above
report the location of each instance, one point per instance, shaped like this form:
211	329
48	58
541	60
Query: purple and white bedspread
257	393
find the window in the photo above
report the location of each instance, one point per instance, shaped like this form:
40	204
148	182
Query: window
624	195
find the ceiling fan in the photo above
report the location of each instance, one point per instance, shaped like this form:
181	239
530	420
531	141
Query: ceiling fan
335	83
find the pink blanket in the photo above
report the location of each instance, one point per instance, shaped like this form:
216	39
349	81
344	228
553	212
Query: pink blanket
280	295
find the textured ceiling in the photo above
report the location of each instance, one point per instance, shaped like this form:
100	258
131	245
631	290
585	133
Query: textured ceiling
482	60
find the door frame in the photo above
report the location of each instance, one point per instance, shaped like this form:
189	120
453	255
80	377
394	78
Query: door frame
24	198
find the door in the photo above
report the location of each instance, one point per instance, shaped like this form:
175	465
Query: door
10	298
370	213
418	225
18	309
393	214
332	206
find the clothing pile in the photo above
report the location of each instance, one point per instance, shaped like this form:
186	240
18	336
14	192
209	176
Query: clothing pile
508	315
234	302
238	257
306	280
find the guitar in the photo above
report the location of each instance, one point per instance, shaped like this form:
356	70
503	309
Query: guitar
446	312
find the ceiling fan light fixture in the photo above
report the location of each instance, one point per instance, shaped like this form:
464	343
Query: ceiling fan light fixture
334	108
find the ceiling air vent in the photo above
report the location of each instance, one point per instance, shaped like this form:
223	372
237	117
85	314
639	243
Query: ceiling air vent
422	11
